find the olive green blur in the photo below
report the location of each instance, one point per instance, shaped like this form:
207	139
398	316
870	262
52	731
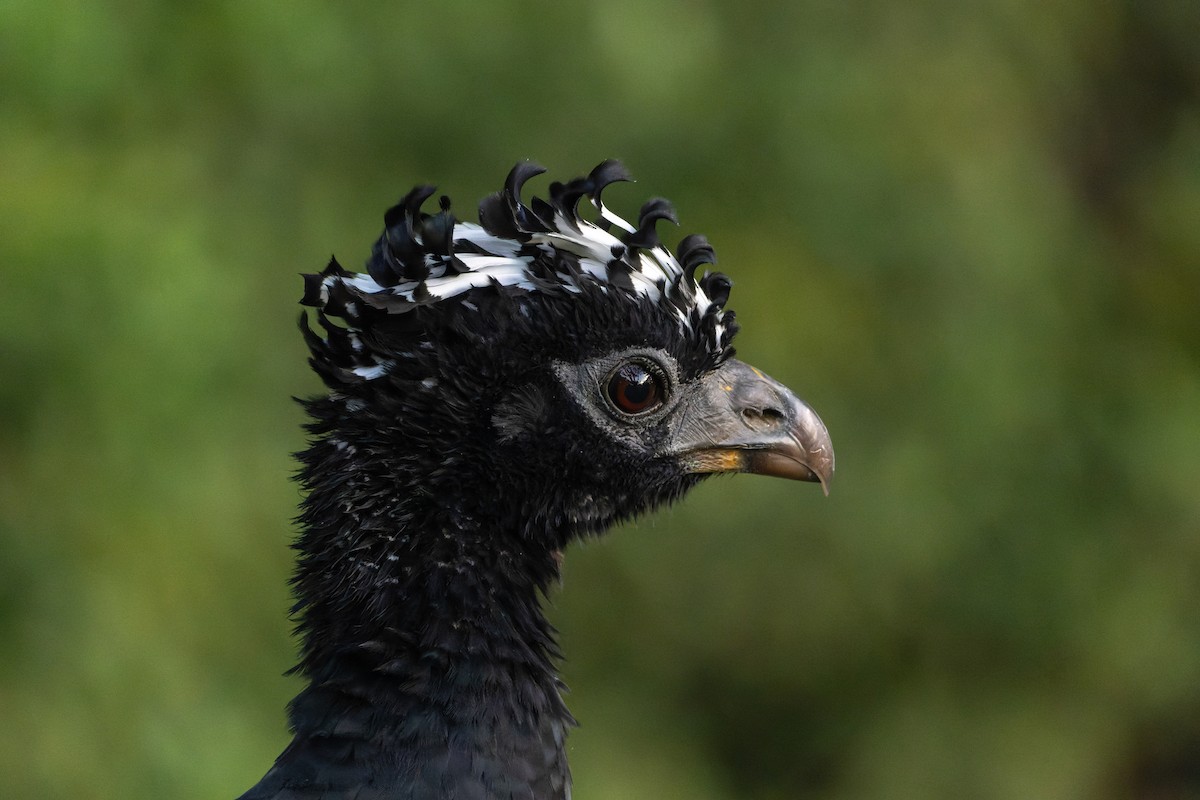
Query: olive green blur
968	234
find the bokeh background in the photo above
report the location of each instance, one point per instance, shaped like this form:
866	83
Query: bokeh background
967	233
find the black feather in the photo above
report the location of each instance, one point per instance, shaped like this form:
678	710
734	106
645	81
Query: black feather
605	173
693	251
716	285
646	235
524	218
496	217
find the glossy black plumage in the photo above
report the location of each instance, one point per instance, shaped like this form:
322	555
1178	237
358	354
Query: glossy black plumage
464	442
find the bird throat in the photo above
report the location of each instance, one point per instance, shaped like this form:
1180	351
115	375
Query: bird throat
425	646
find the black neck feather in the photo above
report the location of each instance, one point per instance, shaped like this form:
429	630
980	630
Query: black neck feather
429	661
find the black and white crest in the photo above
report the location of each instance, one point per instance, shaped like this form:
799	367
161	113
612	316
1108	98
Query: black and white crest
424	259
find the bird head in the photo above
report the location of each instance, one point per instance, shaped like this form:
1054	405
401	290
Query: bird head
551	372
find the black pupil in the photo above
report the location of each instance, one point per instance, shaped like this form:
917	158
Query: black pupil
633	389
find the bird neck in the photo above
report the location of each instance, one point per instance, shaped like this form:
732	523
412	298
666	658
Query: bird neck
424	638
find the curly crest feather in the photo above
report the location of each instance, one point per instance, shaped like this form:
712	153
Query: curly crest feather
422	259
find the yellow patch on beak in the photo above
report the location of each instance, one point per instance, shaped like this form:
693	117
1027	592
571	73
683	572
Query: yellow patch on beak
719	460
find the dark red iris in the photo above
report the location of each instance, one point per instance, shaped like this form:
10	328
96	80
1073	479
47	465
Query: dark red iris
633	389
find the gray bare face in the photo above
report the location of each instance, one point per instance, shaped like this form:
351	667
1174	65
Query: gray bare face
733	419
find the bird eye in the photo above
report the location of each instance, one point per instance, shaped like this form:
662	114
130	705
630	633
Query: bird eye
634	389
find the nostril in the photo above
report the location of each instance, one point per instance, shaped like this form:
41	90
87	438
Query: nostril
762	417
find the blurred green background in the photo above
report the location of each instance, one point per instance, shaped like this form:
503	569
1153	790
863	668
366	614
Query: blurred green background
967	233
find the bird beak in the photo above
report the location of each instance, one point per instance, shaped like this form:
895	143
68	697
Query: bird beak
745	421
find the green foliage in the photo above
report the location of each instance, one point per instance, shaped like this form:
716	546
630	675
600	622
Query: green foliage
968	234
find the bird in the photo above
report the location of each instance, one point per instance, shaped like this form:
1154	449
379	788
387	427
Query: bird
494	391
